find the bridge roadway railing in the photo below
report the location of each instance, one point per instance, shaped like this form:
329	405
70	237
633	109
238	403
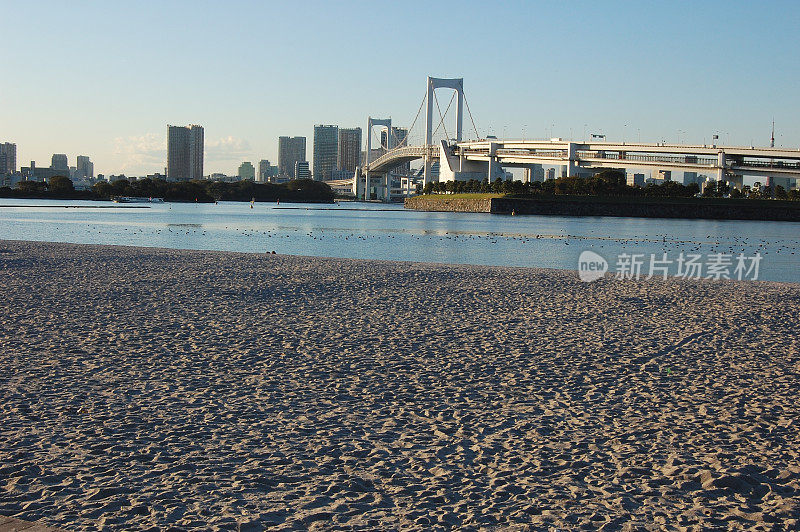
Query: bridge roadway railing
769	164
673	159
547	154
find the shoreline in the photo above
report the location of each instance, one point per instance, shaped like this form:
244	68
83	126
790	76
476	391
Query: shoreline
609	276
152	387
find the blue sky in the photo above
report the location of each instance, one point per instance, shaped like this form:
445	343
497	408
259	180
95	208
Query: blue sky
104	78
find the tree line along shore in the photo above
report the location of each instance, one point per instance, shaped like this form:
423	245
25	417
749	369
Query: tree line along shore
201	191
608	194
607	183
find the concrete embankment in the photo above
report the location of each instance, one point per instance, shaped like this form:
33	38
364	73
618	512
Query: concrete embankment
715	209
445	204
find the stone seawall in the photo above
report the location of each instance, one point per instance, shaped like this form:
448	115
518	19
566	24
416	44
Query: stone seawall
632	207
700	209
445	204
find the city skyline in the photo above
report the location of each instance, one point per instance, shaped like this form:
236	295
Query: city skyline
585	69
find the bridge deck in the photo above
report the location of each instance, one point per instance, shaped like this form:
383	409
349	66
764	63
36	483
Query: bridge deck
738	160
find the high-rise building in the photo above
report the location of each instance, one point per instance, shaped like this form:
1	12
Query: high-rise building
693	177
326	147
663	175
301	170
636	180
533	172
38	173
196	151
185	145
263	171
59	162
291	150
84	168
349	152
398	138
8	158
246	171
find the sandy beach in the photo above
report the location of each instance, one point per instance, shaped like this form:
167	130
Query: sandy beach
149	388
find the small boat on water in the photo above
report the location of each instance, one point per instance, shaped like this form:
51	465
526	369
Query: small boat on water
132	199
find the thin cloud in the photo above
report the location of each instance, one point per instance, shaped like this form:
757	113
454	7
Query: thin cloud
146	152
228	149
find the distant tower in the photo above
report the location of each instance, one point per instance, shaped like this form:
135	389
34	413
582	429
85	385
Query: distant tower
326	147
185	146
291	150
772	141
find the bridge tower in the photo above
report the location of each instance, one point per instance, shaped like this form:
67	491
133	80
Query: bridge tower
371	122
457	84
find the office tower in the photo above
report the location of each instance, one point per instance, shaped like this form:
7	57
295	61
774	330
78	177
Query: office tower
785	182
8	158
635	180
264	171
59	162
246	171
397	139
550	173
185	146
301	170
291	150
664	175
326	147
84	168
196	151
38	173
533	172
348	156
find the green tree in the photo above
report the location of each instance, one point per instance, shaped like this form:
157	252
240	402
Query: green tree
497	186
60	185
32	187
711	189
102	189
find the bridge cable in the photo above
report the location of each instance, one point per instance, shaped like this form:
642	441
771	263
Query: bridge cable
453	97
441	116
477	135
408	132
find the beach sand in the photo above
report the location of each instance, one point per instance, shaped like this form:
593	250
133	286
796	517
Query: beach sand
147	388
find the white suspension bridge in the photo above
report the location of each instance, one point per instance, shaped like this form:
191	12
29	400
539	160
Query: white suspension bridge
480	158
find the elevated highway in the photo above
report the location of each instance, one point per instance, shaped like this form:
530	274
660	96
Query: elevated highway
465	160
477	159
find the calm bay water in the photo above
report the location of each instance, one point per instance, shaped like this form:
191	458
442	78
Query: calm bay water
388	232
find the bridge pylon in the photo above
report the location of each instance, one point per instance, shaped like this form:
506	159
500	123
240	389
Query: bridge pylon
457	84
371	122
